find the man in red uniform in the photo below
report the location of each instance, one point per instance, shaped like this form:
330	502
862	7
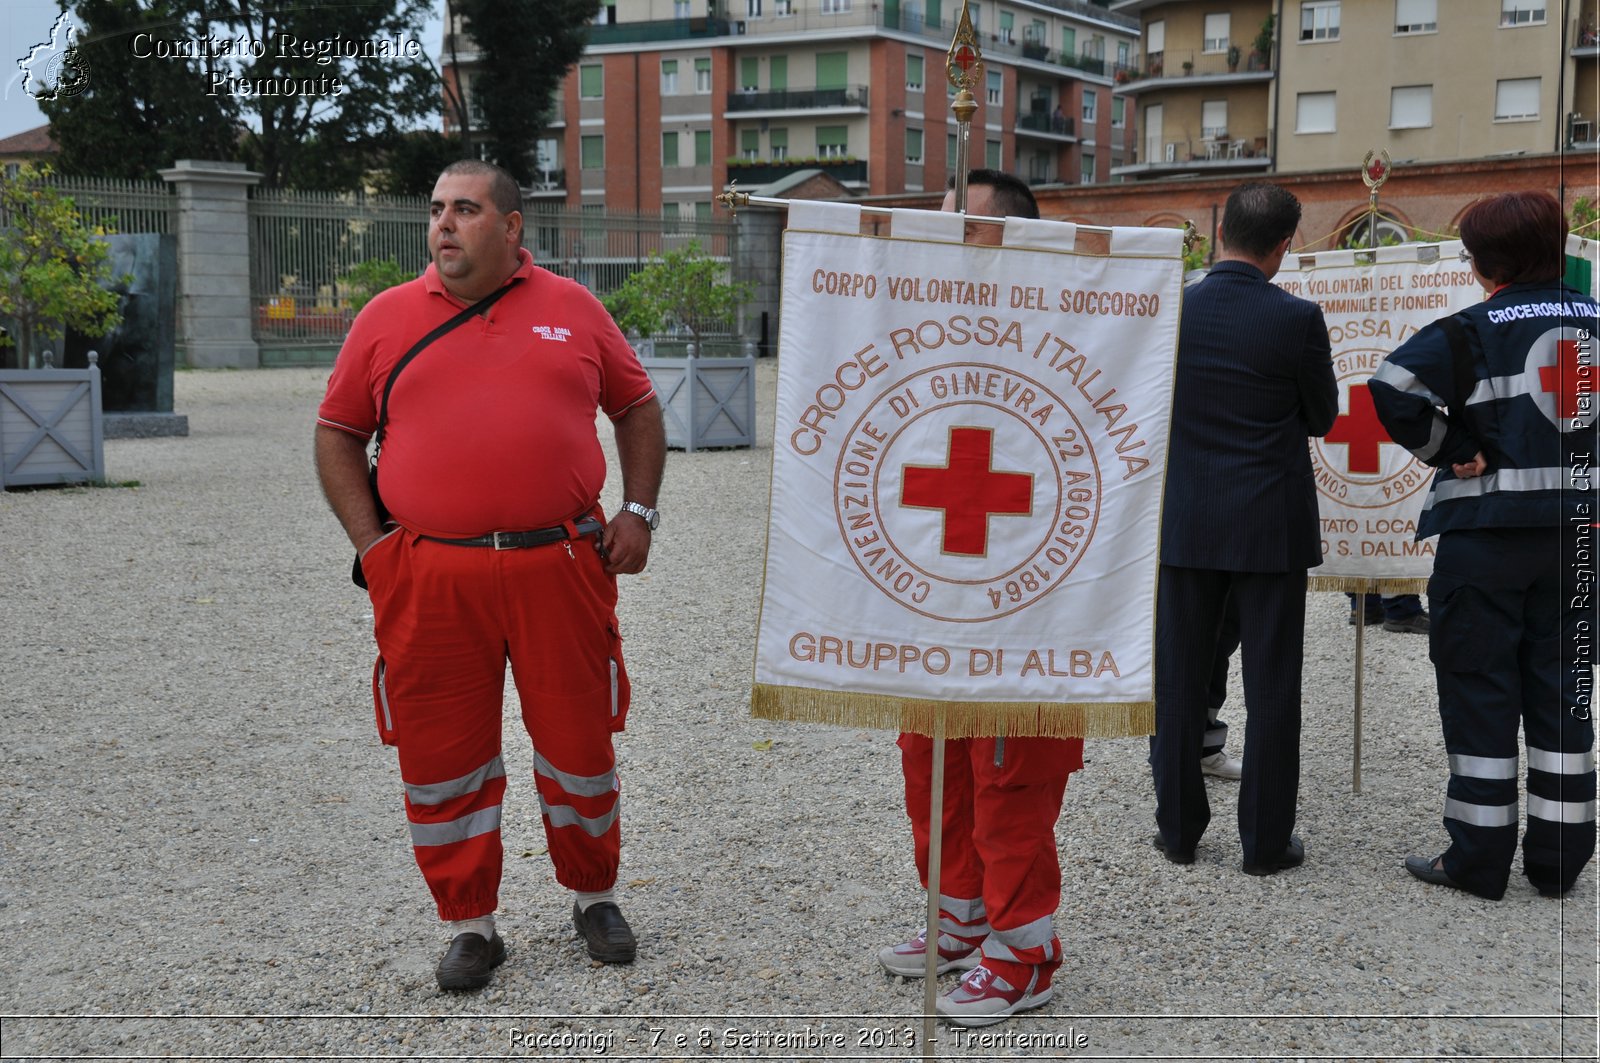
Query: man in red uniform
999	873
496	550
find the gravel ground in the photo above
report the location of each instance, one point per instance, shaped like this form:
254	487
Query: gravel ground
203	851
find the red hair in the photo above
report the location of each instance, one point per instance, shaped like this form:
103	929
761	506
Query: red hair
1516	237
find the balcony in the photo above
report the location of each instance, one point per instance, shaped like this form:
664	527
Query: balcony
1230	151
667	29
1585	38
850	98
750	174
1046	126
547	182
1190	69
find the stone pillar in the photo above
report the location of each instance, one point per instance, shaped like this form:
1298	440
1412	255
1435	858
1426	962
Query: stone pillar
213	225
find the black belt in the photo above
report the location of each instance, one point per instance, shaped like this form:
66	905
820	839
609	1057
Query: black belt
521	540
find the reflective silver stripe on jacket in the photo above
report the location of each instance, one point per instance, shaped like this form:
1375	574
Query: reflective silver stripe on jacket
567	816
576	785
437	793
1560	811
1481	815
1436	433
1544	478
483	821
1483	767
1560	763
1403	379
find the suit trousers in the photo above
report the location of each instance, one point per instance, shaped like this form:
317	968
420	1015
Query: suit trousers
448	619
1190	605
1502	624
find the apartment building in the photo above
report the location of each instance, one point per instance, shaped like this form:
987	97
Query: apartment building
673	99
1428	80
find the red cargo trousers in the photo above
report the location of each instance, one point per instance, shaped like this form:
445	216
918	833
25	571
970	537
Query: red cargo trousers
999	874
447	620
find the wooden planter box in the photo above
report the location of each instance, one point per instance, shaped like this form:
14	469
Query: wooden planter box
707	402
50	426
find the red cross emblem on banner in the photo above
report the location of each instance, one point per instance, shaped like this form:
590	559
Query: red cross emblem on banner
966	58
968	490
1568	378
1360	430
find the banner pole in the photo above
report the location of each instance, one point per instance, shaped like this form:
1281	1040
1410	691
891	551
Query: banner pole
1375	170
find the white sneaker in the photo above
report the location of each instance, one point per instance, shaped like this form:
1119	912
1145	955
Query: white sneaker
983	998
1222	766
909	958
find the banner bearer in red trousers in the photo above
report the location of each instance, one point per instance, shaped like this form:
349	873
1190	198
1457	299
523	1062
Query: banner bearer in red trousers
495	549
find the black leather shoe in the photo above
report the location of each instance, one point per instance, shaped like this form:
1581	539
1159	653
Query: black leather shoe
1294	854
1433	871
470	961
1177	856
609	937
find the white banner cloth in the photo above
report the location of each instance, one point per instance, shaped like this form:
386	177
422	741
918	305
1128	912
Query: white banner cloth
968	459
1370	489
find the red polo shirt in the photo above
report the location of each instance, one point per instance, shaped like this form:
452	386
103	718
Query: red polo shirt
492	426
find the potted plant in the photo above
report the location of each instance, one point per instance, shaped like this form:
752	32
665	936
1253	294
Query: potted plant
1188	67
1233	58
1262	45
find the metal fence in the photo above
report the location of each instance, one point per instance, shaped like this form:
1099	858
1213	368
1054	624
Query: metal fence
115	205
303	245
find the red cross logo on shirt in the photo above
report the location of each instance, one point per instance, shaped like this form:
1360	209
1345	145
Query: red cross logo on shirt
1568	378
1360	430
968	490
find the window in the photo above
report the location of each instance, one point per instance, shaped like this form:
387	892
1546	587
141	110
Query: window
914	73
1411	107
778	144
833	70
1118	112
752	8
1086	168
1123	51
669	77
1155	37
1319	21
833	141
1516	98
1069	41
778	73
593	152
1008	24
1314	112
1094	47
702	147
749	74
702	212
750	144
1216	39
1521	12
591	81
991	154
607	15
702	76
1090	100
914	147
1416	16
669	149
680	8
1214	119
783	8
996	86
1037	32
835	7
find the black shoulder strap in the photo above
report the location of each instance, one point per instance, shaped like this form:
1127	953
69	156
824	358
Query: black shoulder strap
1462	374
417	348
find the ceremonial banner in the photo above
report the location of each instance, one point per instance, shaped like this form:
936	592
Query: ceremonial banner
968	457
1370	489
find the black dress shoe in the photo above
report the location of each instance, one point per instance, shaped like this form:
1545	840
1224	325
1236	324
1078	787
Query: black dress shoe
608	936
1177	856
1294	854
470	961
1433	871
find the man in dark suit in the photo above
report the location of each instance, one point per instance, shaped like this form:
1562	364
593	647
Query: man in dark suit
1254	379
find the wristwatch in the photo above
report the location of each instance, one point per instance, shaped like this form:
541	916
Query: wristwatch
651	517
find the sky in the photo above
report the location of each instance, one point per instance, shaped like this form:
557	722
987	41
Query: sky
24	23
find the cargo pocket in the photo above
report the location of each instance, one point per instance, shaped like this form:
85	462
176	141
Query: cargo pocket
380	702
1458	634
621	690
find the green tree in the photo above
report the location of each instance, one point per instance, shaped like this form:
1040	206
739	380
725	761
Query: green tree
525	49
414	162
684	287
277	112
52	269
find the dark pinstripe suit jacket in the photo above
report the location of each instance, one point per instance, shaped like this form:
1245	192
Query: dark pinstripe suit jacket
1254	380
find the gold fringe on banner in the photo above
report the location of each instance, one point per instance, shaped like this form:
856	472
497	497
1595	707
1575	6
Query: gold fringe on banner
1369	585
962	719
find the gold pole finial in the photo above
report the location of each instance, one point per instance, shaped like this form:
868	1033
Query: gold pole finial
963	68
733	199
1375	170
